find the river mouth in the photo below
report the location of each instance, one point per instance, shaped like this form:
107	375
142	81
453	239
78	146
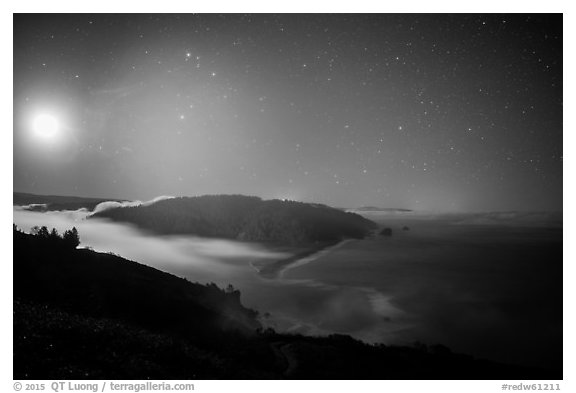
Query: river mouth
480	290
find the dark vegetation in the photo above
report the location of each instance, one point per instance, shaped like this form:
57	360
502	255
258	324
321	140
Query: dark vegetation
69	239
54	202
244	218
79	314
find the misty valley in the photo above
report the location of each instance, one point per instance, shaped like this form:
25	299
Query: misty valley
420	295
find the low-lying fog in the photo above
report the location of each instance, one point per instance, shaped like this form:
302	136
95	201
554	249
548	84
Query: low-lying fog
488	285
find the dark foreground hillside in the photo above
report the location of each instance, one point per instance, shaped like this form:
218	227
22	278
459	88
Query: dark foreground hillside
79	314
244	218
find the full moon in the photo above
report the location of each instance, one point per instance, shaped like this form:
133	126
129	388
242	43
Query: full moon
45	126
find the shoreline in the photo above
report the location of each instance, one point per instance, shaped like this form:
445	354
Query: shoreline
277	268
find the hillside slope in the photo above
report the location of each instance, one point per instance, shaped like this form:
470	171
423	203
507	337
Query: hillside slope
79	314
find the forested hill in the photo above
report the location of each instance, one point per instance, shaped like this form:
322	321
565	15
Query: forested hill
244	218
49	268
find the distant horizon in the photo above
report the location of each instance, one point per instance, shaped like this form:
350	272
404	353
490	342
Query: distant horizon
383	207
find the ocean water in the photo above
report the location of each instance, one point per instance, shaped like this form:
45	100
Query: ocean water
486	285
491	288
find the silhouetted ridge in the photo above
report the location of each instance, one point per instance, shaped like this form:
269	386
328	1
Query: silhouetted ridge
48	269
244	218
42	203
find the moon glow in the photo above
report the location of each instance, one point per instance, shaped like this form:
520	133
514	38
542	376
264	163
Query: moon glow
46	127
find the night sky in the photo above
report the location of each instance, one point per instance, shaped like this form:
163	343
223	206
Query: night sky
429	112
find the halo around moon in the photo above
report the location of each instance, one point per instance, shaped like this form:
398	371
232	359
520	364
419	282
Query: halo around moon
46	127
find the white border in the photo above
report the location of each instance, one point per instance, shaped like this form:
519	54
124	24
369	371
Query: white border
298	6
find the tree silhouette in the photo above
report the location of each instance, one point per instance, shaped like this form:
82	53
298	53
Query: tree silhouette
43	232
54	234
71	238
